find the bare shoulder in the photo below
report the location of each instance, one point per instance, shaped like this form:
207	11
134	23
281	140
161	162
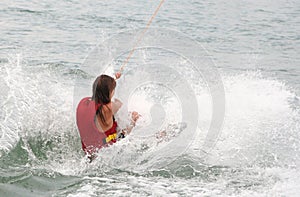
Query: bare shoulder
108	108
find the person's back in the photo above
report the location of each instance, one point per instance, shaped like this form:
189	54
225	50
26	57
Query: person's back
95	116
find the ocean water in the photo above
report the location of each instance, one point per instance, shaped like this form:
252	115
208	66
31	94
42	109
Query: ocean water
231	117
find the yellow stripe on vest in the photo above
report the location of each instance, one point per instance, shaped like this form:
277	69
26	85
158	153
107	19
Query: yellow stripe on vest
111	137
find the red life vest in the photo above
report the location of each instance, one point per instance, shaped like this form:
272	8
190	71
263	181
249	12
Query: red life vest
91	138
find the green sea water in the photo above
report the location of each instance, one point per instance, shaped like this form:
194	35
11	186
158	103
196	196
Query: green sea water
254	45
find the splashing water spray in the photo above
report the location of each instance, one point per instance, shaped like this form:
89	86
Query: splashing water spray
166	80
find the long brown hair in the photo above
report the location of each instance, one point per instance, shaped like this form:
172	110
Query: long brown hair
102	88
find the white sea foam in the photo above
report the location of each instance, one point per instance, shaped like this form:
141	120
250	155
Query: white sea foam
261	129
261	126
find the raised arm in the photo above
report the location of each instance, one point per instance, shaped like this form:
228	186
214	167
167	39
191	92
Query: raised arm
116	105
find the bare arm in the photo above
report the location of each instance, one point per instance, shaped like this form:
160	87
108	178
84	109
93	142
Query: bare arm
116	105
128	129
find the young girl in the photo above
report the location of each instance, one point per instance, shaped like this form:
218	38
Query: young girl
95	116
